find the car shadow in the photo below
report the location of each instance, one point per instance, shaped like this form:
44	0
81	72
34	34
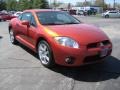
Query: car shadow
28	50
109	69
1	37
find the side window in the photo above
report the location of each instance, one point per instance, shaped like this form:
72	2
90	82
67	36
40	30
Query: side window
26	16
32	22
113	12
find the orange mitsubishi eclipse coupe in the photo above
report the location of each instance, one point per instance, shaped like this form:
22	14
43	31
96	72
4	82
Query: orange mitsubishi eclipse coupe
59	38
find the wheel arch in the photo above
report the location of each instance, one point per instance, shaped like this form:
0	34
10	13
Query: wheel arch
9	27
53	62
107	16
40	39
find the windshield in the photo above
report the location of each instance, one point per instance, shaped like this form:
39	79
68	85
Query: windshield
56	18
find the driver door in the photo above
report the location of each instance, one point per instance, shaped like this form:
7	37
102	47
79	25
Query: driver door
32	32
23	29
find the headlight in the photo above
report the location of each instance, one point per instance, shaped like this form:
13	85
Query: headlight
66	41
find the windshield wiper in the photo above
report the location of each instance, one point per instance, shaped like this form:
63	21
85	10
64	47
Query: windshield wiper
61	23
53	24
49	24
71	23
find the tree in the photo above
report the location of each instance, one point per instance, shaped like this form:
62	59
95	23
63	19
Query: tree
24	4
117	5
2	5
55	4
40	4
79	4
44	4
101	3
87	3
82	4
36	4
11	5
31	4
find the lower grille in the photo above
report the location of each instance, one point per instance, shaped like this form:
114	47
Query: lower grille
90	59
97	44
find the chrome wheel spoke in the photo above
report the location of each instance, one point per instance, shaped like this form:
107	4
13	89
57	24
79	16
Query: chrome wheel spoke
11	36
47	58
44	54
42	47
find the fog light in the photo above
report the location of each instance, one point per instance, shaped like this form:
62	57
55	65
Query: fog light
69	60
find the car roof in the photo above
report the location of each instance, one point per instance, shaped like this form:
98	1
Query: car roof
40	10
1	13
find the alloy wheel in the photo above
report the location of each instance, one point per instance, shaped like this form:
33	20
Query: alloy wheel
44	53
12	36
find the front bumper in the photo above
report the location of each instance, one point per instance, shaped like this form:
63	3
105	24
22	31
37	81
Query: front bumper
80	56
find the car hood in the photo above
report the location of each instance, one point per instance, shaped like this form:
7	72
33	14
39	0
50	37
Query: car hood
82	33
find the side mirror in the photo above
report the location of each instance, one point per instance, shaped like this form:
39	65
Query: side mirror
26	23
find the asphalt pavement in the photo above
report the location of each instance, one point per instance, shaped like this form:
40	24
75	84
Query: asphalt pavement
20	68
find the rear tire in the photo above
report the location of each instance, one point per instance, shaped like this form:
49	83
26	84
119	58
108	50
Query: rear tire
12	37
106	16
1	20
45	54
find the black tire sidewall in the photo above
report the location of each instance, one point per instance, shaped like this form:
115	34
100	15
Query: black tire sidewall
106	16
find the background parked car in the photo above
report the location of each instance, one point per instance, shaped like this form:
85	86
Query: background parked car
72	12
17	14
111	14
5	16
80	12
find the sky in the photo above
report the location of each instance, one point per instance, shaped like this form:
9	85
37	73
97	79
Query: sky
74	1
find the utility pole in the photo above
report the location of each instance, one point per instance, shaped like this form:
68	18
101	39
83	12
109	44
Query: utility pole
54	4
103	4
85	3
50	3
92	2
114	4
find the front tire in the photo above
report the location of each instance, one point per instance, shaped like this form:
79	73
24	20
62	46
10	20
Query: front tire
45	54
106	16
12	37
